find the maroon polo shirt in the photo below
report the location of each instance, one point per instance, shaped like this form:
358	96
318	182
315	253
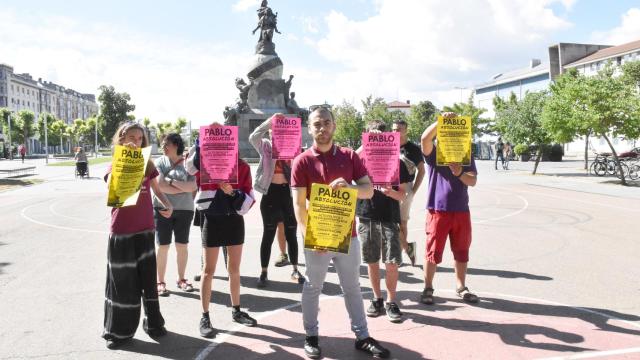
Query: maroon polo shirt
313	166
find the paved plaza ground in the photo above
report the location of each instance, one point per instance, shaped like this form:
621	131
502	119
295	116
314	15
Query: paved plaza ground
554	260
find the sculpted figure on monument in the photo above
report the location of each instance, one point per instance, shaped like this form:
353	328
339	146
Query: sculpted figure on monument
267	23
230	115
243	87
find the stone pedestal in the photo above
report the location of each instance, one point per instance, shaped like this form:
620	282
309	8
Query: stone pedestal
248	122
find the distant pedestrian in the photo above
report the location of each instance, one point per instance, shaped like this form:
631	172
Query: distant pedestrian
222	207
447	216
272	181
131	266
411	157
379	233
22	150
338	167
499	153
178	186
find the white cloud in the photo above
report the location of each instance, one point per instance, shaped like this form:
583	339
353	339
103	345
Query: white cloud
627	31
166	77
425	48
244	5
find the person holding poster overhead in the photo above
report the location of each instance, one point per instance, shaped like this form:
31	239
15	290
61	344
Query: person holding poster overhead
338	167
222	205
379	232
447	213
272	181
131	266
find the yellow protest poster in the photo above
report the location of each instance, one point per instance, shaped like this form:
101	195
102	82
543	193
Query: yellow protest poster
127	171
454	140
330	218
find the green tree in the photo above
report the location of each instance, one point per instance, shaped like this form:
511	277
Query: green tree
608	105
57	131
349	125
26	127
479	125
40	128
521	123
376	109
179	125
114	109
4	122
559	118
631	72
163	128
421	116
146	122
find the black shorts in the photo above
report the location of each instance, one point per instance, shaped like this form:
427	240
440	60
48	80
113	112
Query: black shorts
178	224
222	230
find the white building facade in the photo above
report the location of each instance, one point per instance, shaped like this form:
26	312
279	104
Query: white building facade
587	58
21	92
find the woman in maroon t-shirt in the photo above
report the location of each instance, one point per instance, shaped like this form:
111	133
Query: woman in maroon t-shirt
131	266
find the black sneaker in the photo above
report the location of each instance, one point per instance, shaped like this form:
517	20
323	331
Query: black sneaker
196	277
393	312
283	260
311	348
371	346
376	308
155	332
297	277
243	318
206	330
114	343
262	280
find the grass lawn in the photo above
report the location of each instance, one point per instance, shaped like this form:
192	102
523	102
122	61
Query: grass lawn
92	161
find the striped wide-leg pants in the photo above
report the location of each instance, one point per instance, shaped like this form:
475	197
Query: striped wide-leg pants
131	275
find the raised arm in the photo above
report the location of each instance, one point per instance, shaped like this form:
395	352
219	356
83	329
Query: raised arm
426	140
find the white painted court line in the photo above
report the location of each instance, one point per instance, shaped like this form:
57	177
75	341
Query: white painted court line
595	354
581	201
212	346
23	213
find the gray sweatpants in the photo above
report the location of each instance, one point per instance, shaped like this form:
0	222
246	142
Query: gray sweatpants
348	268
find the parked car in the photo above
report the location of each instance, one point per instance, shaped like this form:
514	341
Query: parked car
633	153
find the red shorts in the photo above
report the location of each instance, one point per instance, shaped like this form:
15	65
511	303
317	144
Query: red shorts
442	224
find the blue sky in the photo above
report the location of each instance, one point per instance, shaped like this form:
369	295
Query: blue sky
180	58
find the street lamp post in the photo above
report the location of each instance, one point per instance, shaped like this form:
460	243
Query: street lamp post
10	149
46	140
95	146
460	88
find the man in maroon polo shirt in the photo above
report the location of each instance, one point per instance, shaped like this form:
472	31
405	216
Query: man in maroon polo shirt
338	167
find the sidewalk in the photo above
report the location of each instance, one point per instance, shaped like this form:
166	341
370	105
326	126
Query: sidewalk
567	175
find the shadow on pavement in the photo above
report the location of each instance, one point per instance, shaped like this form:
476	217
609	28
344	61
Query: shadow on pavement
170	346
597	317
498	273
248	302
2	265
332	347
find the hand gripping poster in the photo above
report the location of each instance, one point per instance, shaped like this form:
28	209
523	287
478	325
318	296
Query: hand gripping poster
330	218
454	140
127	171
381	155
218	154
286	135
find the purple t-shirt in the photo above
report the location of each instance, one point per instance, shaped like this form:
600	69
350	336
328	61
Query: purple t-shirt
445	191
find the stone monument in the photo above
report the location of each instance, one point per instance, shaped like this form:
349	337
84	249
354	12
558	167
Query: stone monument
265	92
